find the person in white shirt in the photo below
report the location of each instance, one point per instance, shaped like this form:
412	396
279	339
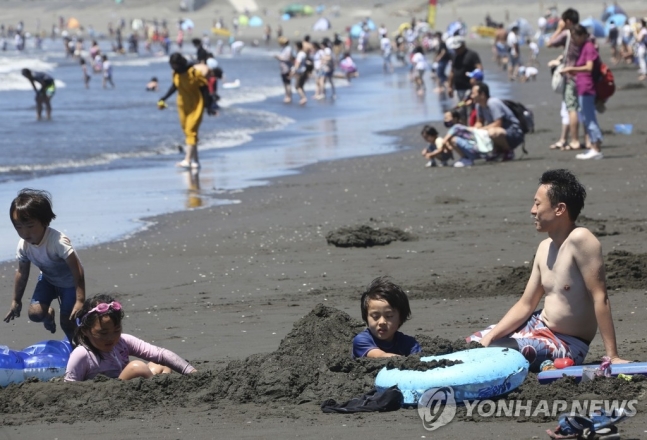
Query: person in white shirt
420	66
387	49
512	42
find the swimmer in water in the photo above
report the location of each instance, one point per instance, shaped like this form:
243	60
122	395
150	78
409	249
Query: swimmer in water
152	85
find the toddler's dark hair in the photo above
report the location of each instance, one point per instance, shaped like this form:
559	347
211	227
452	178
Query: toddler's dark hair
79	338
384	288
428	130
32	204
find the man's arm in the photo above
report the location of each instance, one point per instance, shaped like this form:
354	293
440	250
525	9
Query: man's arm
76	268
20	282
518	313
588	258
450	83
556	39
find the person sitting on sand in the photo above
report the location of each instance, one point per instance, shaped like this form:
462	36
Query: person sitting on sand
568	272
100	347
430	135
385	307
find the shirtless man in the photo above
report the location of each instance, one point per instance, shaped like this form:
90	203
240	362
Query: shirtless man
568	271
44	93
499	47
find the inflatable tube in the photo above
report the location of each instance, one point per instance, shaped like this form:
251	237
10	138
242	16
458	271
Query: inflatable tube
484	373
576	372
43	360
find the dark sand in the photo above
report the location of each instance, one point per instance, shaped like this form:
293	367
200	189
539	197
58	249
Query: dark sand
236	290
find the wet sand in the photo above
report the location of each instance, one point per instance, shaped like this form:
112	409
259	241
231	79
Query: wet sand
225	286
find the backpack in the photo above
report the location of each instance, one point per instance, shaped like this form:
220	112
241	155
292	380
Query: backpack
605	86
309	64
525	116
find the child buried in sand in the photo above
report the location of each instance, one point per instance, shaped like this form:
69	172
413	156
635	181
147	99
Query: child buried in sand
101	348
385	307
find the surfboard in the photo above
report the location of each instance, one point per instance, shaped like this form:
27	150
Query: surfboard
231	85
483	373
576	372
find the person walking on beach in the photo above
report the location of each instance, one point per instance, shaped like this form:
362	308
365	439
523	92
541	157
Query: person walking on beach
562	37
193	97
464	60
568	273
285	67
514	54
641	41
44	94
61	273
301	70
587	65
107	72
86	75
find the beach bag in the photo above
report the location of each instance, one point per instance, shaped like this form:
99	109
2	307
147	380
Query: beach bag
605	86
525	116
483	141
558	82
309	64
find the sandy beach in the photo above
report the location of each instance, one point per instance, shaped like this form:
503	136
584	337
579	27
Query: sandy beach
257	300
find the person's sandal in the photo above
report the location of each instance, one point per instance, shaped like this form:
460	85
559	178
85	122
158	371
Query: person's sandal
559	145
571	147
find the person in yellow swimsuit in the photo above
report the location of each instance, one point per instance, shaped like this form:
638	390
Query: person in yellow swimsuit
190	81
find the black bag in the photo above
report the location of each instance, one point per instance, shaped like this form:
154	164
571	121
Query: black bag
525	116
309	64
390	399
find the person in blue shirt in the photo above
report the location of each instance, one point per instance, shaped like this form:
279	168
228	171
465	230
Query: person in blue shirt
385	307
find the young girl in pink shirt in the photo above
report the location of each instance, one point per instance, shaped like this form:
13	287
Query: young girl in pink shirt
102	348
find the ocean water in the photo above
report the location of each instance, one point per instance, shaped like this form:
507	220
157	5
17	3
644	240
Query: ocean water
108	155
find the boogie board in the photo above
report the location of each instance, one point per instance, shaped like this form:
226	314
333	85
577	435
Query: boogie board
484	373
576	372
231	85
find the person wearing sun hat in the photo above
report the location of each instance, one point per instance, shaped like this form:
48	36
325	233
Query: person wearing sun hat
463	60
285	59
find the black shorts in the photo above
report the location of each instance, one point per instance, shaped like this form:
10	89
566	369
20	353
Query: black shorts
301	81
286	78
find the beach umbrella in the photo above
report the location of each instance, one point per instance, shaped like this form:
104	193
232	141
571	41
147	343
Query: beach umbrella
255	21
187	24
243	20
454	27
356	30
286	17
73	23
321	25
370	24
618	19
596	27
612	10
308	10
403	26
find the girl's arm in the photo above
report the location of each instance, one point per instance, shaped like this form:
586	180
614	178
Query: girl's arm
152	353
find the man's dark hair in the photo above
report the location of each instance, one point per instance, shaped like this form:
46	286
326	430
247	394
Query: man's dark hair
383	288
563	187
196	42
571	15
484	88
32	204
429	130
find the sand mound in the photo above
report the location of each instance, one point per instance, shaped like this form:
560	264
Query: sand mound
626	270
312	364
366	236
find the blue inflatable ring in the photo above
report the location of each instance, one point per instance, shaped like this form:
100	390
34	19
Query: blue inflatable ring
484	373
43	360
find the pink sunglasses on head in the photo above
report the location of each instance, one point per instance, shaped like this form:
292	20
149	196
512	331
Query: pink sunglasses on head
100	308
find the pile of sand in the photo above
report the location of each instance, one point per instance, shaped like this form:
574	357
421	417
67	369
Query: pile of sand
366	236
